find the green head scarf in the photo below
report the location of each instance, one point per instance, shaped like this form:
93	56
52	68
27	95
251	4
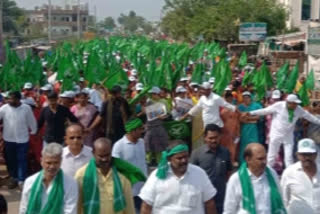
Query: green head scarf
133	124
163	166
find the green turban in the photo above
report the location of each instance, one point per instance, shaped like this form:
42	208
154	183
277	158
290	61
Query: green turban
133	124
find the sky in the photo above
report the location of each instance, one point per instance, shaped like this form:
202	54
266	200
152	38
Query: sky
149	9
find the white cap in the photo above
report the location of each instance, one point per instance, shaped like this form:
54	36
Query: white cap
192	84
132	78
155	90
180	89
5	94
184	79
47	87
206	85
81	79
67	94
292	98
307	145
191	62
139	86
276	94
212	79
246	93
134	72
29	101
228	89
86	91
28	85
44	63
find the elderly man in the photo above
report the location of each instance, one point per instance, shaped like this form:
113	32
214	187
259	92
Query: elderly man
50	190
179	187
210	104
254	187
108	181
75	154
284	117
131	148
300	182
18	123
215	160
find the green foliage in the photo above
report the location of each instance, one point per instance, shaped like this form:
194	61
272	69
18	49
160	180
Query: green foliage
12	17
108	23
220	19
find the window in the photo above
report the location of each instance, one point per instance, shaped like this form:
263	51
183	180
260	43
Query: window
84	19
74	28
306	10
74	18
67	19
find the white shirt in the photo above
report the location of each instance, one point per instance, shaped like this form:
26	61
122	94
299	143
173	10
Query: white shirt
95	98
233	198
133	153
70	163
173	195
70	194
280	125
299	190
210	107
17	122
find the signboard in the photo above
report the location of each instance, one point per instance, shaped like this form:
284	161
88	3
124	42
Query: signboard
252	31
313	41
156	110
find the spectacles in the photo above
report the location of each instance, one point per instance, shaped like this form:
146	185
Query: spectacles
78	138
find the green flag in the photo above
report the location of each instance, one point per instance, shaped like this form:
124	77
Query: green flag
310	80
282	76
243	59
292	79
177	129
303	95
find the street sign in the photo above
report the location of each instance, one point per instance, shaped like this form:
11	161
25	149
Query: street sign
252	31
313	47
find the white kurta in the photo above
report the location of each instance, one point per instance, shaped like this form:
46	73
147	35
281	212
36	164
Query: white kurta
173	195
210	107
299	191
233	198
281	131
70	198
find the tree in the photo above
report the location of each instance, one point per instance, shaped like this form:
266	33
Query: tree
11	14
131	22
220	19
108	23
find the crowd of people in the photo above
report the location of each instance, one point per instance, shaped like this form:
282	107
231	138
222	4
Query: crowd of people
91	150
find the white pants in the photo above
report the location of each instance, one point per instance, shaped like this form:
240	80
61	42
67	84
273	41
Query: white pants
274	147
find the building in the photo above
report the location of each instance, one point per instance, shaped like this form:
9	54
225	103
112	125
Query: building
64	21
301	12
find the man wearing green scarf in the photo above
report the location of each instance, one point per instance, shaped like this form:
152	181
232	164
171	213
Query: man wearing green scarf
254	188
50	191
131	149
103	189
284	117
177	186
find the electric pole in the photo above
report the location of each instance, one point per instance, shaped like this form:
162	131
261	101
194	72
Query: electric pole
2	50
78	21
49	22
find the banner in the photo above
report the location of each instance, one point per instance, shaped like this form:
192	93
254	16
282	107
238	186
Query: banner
177	130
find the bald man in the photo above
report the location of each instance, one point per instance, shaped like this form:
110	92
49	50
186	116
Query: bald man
103	178
254	188
75	154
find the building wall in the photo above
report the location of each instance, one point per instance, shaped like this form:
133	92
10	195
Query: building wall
63	22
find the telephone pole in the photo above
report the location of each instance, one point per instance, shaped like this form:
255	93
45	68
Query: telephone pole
78	21
49	22
2	50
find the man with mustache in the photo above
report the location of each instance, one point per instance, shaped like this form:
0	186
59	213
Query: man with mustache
254	187
103	189
50	190
301	181
178	187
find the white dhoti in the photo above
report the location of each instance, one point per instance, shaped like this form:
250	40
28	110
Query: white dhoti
275	142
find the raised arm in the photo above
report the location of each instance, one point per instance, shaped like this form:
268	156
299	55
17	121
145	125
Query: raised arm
265	111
